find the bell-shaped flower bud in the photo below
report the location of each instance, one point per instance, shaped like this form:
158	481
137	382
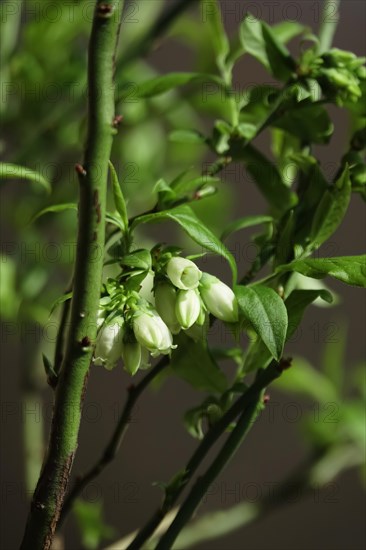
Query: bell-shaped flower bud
165	300
188	307
132	357
183	273
219	299
151	332
109	344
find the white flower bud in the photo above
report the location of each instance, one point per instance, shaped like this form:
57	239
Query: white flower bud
188	307
165	300
109	344
132	357
183	273
219	299
151	332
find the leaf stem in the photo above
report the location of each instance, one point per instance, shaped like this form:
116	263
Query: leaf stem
49	494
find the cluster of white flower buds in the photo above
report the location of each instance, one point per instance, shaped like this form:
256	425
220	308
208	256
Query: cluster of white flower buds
183	298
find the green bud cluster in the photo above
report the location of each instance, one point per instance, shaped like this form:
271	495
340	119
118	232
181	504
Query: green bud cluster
340	73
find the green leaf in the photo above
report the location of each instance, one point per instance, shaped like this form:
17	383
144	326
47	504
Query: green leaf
251	37
119	200
287	30
348	269
307	121
187	136
257	106
183	187
58	208
243	223
280	61
89	518
193	419
139	259
296	304
193	362
258	355
316	184
48	367
267	178
186	218
260	41
284	246
331	210
60	301
266	311
54	209
115	220
212	15
162	84
303	379
14	171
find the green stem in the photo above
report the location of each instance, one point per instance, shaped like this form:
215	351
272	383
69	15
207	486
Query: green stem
251	408
220	523
49	494
114	444
173	492
328	24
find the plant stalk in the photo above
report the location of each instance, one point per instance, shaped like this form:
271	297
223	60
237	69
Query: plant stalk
203	483
50	491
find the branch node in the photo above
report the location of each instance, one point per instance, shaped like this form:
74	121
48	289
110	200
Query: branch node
117	121
80	170
104	10
284	364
